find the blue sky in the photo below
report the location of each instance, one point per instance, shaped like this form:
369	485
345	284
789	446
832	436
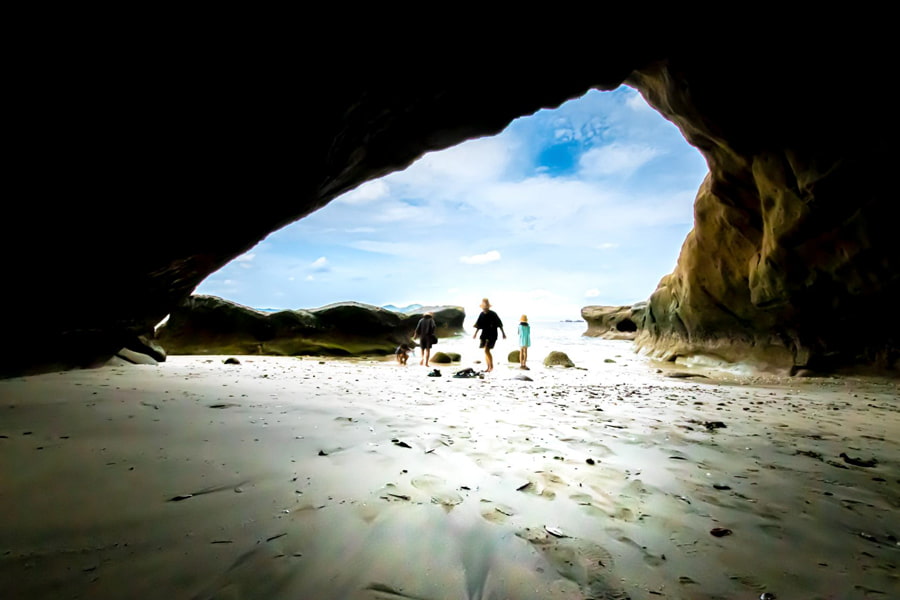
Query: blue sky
585	204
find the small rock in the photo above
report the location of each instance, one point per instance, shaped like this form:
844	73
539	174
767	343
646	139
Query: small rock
858	462
720	531
683	375
555	531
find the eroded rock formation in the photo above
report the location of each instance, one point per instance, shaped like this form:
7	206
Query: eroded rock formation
792	240
210	325
614	322
151	177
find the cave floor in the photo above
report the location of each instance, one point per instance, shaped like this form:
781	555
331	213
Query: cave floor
362	479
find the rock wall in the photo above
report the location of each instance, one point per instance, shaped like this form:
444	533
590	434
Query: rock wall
792	240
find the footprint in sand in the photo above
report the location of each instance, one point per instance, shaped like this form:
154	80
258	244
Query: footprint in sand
441	492
650	559
540	484
392	493
495	512
579	560
588	504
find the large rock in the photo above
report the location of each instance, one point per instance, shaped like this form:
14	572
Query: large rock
614	322
448	320
793	240
794	226
210	325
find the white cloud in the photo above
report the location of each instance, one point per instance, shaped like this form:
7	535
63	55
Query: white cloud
468	164
366	193
320	265
592	293
396	212
636	102
393	248
607	246
480	259
615	159
563	135
244	260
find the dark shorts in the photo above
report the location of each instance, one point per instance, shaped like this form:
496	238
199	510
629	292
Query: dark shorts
425	343
487	343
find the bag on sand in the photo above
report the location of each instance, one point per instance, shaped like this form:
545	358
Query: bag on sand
465	373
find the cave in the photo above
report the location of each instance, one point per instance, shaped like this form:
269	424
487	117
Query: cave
162	172
791	243
626	325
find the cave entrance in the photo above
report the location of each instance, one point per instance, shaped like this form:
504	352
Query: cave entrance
584	204
626	326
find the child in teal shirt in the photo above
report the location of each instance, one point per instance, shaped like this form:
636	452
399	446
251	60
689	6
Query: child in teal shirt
524	341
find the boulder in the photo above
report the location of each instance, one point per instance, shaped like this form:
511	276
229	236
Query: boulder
513	356
448	320
145	344
558	359
441	358
136	358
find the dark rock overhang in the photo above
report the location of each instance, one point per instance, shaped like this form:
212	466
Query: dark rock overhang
146	175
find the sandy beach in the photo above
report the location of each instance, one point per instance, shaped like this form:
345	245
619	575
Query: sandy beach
361	479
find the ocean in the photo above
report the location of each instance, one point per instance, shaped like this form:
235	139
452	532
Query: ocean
546	336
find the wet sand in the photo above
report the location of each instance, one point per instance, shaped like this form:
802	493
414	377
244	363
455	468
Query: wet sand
361	479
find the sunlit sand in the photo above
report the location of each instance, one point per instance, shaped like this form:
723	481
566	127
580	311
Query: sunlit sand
363	479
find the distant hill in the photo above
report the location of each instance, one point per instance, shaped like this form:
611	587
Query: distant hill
404	310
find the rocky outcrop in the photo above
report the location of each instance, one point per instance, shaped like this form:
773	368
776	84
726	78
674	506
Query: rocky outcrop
210	325
792	240
794	230
448	320
614	322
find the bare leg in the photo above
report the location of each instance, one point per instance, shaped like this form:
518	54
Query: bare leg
489	360
427	356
